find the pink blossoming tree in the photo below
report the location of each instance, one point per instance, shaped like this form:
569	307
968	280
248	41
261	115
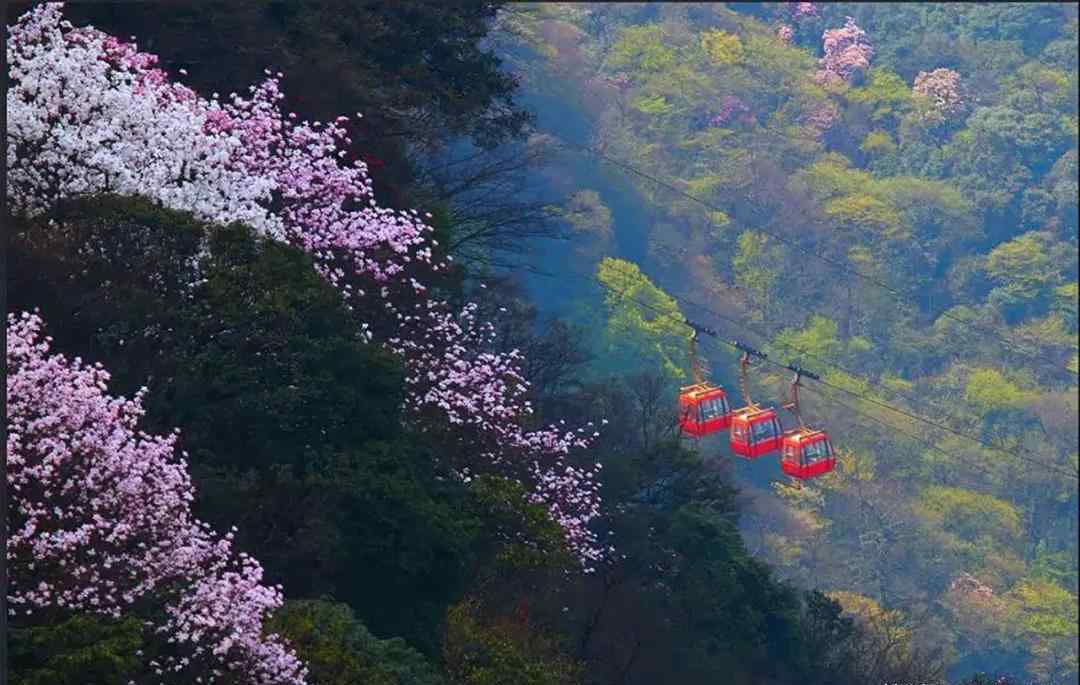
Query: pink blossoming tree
100	521
88	113
731	107
944	93
847	53
820	117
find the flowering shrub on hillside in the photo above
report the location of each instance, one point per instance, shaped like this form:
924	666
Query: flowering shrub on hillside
100	521
730	106
943	90
847	53
88	113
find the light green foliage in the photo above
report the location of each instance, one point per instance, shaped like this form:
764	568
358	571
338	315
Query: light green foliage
641	47
893	208
1063	182
970	514
1026	271
636	334
758	265
1052	329
980	531
831	176
878	143
885	94
868	213
781	70
1022	259
897	384
339	650
721	48
886	642
732	174
1036	87
1065	301
684	85
656	105
1055	567
523	22
704	186
937	214
818	339
1044	615
988	390
719	219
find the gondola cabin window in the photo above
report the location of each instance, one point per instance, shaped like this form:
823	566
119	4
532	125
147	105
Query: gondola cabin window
713	408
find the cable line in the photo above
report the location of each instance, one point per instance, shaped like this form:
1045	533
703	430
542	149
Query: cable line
916	417
736	345
828	363
811	355
897	294
910	436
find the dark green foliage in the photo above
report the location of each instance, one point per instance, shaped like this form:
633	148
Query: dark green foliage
481	650
339	650
290	420
75	651
683	601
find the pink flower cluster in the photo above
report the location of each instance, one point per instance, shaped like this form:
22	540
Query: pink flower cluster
88	113
820	117
942	87
785	33
620	81
484	392
729	107
100	519
968	584
847	53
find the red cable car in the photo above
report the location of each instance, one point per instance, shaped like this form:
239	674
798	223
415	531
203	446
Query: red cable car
806	453
755	431
703	407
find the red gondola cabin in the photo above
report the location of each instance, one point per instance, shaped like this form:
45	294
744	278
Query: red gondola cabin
703	409
807	453
755	432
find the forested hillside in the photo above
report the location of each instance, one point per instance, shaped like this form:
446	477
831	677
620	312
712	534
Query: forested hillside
888	194
297	395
